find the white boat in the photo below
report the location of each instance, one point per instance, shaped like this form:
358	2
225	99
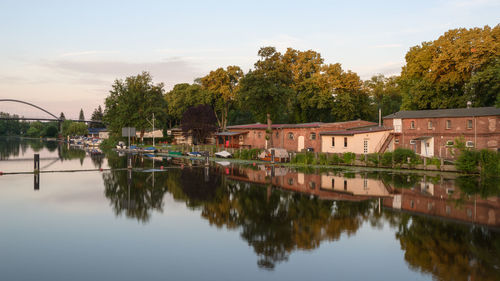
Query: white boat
223	154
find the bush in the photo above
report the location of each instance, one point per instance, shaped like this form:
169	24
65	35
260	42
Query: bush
387	159
334	159
489	162
373	158
468	161
349	157
401	156
323	159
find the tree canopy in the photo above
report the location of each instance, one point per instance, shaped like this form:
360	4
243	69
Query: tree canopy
199	122
442	73
132	101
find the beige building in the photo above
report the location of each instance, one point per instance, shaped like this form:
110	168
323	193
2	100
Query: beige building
357	141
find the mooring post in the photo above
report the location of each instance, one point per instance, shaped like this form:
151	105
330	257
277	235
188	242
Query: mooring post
36	163
36	181
206	160
272	155
129	161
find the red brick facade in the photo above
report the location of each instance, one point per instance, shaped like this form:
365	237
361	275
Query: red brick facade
291	136
440	133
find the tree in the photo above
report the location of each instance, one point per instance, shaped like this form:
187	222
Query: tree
385	93
81	116
132	101
437	73
62	117
97	115
266	90
182	97
70	128
199	122
223	83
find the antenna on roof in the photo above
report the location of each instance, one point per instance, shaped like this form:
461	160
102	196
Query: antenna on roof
469	104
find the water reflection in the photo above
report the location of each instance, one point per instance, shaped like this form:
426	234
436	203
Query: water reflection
282	211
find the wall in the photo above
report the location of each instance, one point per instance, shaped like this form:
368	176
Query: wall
355	143
485	133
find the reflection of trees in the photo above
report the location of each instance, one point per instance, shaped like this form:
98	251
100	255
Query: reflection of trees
450	251
66	153
135	198
9	147
484	186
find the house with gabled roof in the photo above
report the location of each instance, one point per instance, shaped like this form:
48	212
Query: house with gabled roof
433	133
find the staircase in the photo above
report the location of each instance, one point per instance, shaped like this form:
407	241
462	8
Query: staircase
386	143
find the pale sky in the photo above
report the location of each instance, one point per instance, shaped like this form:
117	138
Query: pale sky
65	55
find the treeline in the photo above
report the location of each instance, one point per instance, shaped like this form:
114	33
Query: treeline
299	86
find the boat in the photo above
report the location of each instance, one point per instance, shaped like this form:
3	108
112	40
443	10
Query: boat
175	152
195	154
121	145
149	149
223	154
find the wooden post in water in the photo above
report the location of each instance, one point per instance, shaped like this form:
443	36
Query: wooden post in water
36	181
36	160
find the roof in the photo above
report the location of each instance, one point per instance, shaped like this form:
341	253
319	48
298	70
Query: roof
454	112
300	125
354	132
96	130
230	133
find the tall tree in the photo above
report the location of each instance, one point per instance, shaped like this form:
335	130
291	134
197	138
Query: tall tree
199	122
223	83
184	96
436	73
385	93
81	117
97	115
132	101
266	89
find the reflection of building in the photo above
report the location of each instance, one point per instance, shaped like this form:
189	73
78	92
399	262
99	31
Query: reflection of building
444	200
441	199
433	132
292	137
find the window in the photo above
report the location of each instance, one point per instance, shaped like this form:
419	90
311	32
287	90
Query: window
290	181
258	135
345	142
313	136
333	141
241	137
449	143
412	125
345	184
277	134
429	125
448	124
396	141
469	124
412	204
290	136
312	185
413	141
333	183
469	144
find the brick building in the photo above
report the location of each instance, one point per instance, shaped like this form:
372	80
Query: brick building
292	137
432	133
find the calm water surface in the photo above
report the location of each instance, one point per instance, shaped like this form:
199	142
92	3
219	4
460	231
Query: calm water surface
230	222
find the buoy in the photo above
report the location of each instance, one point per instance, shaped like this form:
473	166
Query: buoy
100	169
254	163
161	167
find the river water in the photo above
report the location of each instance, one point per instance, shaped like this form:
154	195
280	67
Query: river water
237	222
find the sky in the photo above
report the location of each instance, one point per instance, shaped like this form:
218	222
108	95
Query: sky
65	55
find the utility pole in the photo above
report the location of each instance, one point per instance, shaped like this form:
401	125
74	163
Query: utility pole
153	124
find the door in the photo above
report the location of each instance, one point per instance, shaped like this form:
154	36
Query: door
301	143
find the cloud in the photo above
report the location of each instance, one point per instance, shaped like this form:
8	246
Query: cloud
474	3
173	70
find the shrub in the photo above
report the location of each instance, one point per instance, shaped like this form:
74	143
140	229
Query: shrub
489	162
373	158
334	159
401	156
387	159
323	159
468	161
349	157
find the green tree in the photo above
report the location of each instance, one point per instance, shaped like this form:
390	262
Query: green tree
132	101
385	93
182	97
81	117
437	73
97	115
266	90
223	83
